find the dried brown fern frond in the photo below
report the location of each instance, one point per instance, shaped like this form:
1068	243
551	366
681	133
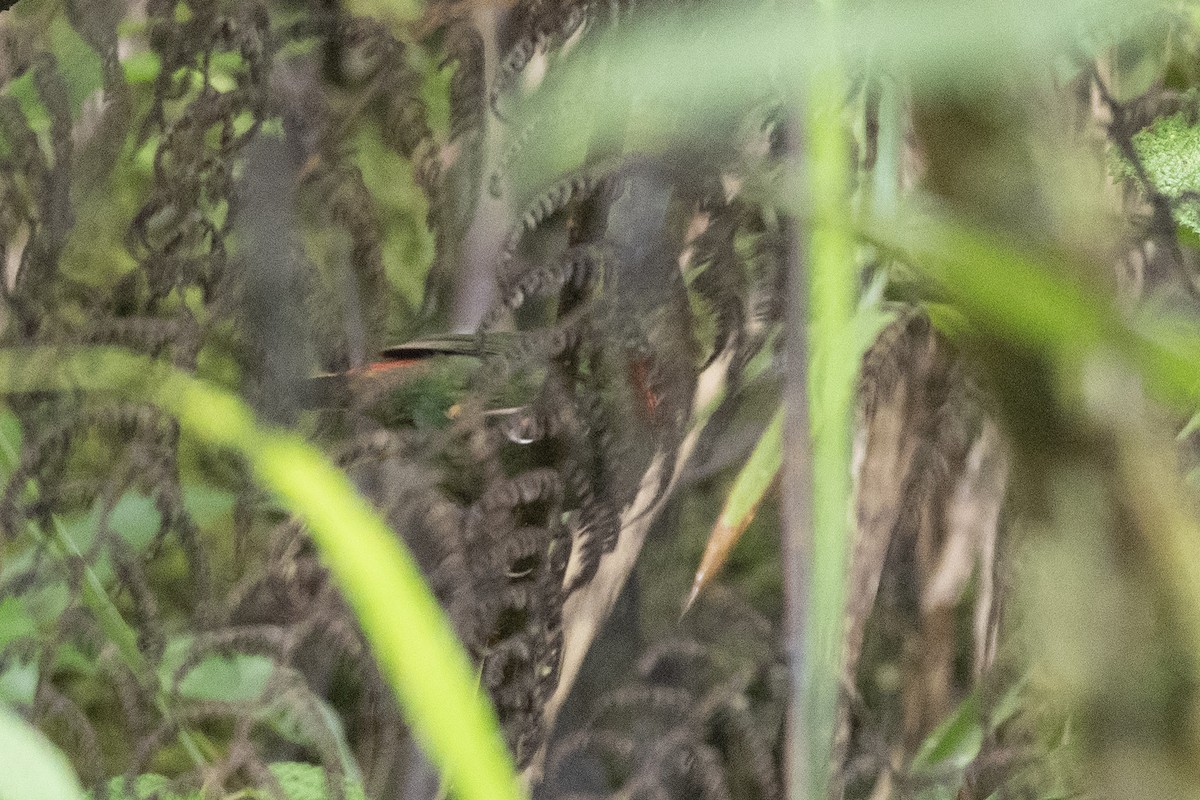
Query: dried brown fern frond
928	491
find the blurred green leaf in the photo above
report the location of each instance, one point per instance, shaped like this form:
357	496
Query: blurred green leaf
307	782
723	56
749	487
1191	427
31	768
18	683
394	12
10	443
240	677
292	718
79	65
1139	58
407	247
142	67
134	518
1024	296
955	742
77	61
15	621
145	787
299	782
207	504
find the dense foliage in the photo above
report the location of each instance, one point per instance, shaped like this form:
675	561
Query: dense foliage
627	244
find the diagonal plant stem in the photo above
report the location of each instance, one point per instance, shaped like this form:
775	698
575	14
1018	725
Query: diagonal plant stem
116	629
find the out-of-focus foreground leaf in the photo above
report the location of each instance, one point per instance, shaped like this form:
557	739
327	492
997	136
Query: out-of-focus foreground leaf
34	768
1020	294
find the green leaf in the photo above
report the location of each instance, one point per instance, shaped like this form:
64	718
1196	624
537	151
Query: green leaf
77	61
723	56
238	678
31	768
142	67
10	443
15	621
18	683
1170	153
956	741
134	518
299	782
749	487
953	743
395	12
146	787
1024	296
207	504
307	782
1139	58
408	246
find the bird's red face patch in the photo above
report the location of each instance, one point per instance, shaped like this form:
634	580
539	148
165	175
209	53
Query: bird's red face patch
378	367
639	378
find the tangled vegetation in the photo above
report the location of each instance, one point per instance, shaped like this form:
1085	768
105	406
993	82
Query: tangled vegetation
897	302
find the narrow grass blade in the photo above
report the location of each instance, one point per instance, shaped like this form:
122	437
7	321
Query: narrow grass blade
755	478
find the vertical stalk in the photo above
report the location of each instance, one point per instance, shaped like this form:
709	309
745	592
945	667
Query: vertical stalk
797	496
820	393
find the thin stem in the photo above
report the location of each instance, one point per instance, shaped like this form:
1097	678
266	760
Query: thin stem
797	516
124	638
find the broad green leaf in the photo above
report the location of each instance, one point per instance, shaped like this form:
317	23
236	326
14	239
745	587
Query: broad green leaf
293	723
239	678
1139	58
134	518
394	12
31	768
142	67
956	741
78	63
207	504
407	246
